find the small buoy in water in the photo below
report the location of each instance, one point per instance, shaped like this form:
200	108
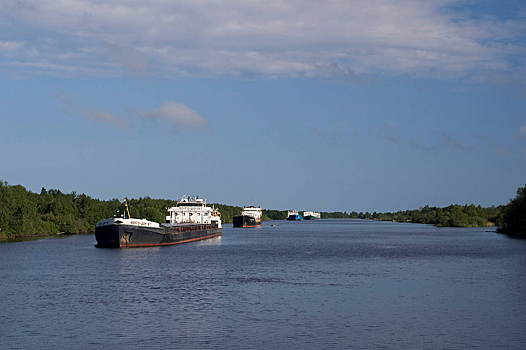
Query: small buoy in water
271	224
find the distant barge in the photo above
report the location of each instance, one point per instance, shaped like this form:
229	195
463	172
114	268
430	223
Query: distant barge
293	215
310	215
250	217
190	220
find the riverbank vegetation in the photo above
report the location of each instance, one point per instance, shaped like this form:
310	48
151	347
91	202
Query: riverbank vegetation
25	213
452	216
513	222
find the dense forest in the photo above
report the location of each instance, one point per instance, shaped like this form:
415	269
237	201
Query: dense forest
451	216
25	213
513	222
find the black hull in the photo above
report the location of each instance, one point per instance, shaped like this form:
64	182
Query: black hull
245	221
128	236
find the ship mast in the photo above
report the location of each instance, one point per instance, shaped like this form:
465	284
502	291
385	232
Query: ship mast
126	206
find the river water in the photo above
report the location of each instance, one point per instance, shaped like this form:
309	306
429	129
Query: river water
325	284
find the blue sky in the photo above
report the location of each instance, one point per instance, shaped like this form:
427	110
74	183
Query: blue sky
309	105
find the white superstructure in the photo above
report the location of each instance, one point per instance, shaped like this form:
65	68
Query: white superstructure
193	210
252	212
292	212
128	221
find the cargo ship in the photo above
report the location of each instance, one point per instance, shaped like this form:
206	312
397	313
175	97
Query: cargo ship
250	217
310	215
189	220
293	215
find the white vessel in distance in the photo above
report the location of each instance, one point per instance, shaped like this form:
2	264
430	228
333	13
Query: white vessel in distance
293	215
311	215
249	217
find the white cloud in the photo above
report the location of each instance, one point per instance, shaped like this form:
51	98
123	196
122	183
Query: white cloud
177	114
10	45
70	105
104	117
270	37
129	58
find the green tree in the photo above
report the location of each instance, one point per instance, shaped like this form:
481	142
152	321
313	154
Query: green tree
513	221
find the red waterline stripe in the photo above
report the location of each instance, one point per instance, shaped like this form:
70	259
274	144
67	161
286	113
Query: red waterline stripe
159	244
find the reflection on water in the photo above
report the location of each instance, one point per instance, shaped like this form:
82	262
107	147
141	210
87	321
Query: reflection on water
302	285
29	239
210	241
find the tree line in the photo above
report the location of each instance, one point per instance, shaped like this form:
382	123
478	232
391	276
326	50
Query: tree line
452	216
25	213
513	220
